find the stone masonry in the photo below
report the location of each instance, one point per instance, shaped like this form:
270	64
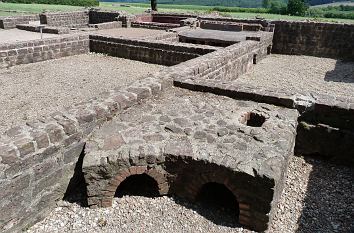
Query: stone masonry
183	139
169	136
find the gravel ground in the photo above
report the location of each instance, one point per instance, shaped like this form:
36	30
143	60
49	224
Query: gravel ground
38	89
318	197
303	74
15	35
129	32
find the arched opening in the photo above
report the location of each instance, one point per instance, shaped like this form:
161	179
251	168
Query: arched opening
218	198
138	185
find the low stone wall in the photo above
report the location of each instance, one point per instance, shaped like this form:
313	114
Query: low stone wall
38	160
171	18
41	50
108	25
229	26
51	30
326	125
154	25
75	19
162	53
161	21
267	25
225	64
314	38
11	22
99	16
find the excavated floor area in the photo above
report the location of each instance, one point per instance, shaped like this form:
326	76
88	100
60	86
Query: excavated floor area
131	33
33	90
16	35
302	74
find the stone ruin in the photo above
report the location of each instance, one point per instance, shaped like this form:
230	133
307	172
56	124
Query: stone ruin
168	126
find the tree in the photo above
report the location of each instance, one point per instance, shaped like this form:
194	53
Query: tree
266	3
154	5
297	7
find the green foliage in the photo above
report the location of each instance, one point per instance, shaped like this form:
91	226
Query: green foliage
240	9
297	7
266	3
58	2
277	7
225	3
341	11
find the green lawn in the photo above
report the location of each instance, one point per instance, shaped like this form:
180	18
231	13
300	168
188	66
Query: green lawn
32	8
140	8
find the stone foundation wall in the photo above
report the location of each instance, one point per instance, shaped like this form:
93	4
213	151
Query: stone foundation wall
103	16
162	53
229	26
108	25
224	64
154	25
306	38
38	160
314	38
267	25
41	50
10	22
326	125
74	19
51	30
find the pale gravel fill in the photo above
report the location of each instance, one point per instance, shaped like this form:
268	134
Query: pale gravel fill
302	74
17	35
35	90
317	197
131	33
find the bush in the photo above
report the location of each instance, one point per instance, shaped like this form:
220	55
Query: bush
239	9
297	7
278	8
58	2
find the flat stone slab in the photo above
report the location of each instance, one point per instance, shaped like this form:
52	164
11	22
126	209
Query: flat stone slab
186	139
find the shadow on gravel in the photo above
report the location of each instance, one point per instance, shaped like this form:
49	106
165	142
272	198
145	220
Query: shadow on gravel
77	191
212	210
329	202
343	72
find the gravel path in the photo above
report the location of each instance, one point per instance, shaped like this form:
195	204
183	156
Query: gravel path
38	89
303	74
15	35
317	194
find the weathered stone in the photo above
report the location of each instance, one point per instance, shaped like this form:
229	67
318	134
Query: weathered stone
41	138
113	142
25	146
174	129
200	135
55	133
8	155
73	153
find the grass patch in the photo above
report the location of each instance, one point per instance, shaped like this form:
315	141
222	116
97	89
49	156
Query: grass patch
139	8
33	8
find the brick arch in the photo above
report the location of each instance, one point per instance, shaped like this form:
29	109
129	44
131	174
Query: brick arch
157	174
196	185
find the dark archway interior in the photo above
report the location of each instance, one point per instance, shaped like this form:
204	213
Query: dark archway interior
138	185
221	200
